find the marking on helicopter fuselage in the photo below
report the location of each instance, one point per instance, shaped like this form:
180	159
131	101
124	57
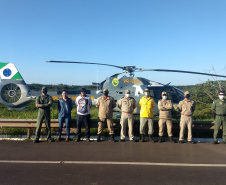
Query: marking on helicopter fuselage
133	81
115	82
7	72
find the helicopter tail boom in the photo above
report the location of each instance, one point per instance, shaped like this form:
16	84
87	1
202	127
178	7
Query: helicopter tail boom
14	92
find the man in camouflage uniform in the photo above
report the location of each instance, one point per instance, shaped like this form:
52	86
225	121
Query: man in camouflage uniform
165	118
43	103
219	109
186	107
127	104
105	104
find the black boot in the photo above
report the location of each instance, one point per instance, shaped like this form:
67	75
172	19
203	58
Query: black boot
98	138
36	140
78	139
87	139
113	137
151	139
171	139
142	138
160	139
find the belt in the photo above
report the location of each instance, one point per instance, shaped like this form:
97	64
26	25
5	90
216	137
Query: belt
221	114
186	115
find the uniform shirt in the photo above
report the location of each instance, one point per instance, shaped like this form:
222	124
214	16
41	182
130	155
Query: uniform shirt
186	107
146	106
105	107
219	107
65	107
127	104
83	105
46	102
165	107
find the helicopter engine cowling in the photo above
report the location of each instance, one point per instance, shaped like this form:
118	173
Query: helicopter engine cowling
14	93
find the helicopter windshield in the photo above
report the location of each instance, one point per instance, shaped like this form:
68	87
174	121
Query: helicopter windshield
172	93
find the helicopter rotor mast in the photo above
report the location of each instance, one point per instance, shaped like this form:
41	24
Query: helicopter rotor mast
132	69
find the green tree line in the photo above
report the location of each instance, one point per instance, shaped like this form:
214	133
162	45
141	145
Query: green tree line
59	87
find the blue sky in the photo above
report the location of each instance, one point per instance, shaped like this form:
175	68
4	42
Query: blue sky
152	34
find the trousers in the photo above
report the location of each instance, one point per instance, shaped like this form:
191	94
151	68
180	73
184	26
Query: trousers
162	124
43	116
185	121
143	122
219	120
127	119
67	121
86	120
109	125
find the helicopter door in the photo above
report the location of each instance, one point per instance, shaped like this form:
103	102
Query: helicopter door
120	94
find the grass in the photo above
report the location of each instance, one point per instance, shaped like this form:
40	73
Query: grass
31	112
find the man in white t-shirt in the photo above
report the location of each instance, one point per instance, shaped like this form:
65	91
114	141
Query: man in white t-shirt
83	103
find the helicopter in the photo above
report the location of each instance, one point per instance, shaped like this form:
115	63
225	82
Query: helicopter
15	93
117	85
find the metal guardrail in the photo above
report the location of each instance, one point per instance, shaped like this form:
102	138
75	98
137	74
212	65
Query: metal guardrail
31	123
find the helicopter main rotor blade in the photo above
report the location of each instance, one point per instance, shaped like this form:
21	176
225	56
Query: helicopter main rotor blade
53	61
179	71
115	75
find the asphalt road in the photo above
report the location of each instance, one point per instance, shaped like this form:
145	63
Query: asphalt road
23	162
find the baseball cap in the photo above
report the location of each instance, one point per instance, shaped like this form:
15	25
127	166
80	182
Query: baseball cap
83	90
127	91
186	92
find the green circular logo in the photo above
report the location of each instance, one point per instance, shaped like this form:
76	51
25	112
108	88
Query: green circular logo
115	82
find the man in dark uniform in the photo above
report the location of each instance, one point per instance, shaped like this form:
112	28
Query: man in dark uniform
219	109
43	103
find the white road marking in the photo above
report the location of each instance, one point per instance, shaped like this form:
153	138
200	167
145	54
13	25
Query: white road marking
31	162
113	163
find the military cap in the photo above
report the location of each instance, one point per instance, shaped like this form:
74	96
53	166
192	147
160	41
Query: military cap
186	92
127	91
44	87
83	90
146	90
163	92
105	89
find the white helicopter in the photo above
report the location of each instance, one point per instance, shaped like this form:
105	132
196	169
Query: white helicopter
15	93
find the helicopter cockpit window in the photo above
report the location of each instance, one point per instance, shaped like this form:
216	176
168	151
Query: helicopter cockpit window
172	93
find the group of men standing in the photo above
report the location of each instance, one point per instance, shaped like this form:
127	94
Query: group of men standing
146	105
127	104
